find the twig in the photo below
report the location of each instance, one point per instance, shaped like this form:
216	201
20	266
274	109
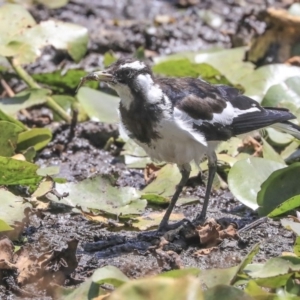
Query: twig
73	125
253	224
33	84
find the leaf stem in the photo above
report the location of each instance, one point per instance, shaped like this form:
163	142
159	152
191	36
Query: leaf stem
33	84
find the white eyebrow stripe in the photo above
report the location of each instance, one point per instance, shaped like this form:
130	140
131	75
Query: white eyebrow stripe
137	65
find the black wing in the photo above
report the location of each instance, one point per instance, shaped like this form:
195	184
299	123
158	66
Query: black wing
201	100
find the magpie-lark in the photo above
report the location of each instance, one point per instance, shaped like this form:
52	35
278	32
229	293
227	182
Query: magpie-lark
179	120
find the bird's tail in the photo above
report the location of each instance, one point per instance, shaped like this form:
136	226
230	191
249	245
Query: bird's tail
288	127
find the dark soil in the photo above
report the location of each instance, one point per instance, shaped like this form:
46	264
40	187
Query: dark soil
124	26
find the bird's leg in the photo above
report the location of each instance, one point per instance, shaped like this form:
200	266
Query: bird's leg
185	171
212	168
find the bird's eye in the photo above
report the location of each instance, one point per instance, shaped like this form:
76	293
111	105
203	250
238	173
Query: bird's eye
124	75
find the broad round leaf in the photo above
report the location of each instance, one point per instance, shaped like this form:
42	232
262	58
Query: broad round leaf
8	138
26	39
225	292
258	82
12	210
37	138
282	185
98	105
159	288
246	177
23	100
14	172
287	91
109	275
98	193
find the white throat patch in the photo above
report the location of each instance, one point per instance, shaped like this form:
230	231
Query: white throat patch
136	65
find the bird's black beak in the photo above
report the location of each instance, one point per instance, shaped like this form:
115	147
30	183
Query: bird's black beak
95	76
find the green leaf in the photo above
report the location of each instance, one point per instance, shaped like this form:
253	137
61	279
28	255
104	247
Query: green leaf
291	225
53	3
159	288
283	184
270	154
63	83
287	91
14	172
258	82
3	225
12	18
180	273
246	177
8	138
109	58
184	68
225	292
153	219
253	289
276	271
164	185
229	62
286	206
48	171
277	138
109	275
23	100
29	38
12	210
38	138
69	103
213	277
98	105
5	117
297	246
98	193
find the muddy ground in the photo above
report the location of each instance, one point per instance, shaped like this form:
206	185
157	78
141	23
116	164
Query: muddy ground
123	26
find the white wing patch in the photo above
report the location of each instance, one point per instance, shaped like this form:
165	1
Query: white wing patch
137	65
185	123
229	113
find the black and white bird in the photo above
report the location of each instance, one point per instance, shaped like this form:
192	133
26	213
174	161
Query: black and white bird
179	120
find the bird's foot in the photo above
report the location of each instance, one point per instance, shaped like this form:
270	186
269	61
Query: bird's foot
200	219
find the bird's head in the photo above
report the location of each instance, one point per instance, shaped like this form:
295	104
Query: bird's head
132	79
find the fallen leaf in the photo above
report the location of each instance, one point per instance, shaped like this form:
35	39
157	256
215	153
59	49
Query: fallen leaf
147	221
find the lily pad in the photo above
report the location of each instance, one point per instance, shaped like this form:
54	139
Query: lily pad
5	117
258	82
270	153
38	138
12	210
98	105
14	172
62	83
225	292
159	288
246	177
98	194
287	91
291	225
28	38
153	219
164	185
228	62
8	138
184	67
282	185
24	99
277	138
